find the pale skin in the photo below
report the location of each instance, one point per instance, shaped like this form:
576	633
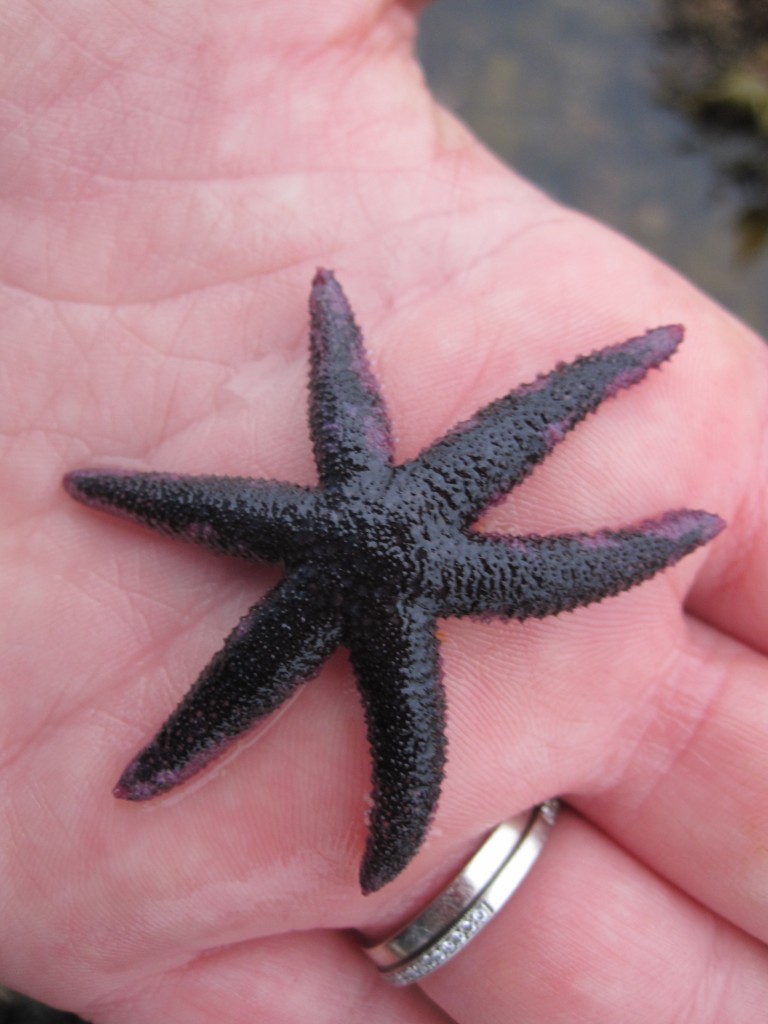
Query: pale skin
171	176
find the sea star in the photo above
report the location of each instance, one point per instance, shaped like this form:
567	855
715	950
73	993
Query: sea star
375	554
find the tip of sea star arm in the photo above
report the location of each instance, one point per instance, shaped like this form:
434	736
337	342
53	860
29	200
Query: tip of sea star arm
149	774
396	837
687	528
84	484
323	278
348	419
648	350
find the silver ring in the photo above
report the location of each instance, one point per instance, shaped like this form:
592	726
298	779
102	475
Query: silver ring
468	902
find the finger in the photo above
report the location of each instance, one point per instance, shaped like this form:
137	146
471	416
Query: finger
731	592
691	800
592	935
317	976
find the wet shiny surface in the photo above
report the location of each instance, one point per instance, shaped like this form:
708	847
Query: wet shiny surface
568	94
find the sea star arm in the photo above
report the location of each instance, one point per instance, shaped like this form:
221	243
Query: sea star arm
252	519
394	652
523	577
348	421
279	644
483	458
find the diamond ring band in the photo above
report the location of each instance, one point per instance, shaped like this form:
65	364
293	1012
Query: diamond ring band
468	902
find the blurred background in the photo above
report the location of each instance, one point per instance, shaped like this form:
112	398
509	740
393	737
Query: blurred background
651	115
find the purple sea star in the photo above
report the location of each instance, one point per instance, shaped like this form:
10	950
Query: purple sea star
376	553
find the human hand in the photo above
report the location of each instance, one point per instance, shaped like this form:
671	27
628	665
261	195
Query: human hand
170	184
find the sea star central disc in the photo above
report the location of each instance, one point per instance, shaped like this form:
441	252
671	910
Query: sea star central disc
375	554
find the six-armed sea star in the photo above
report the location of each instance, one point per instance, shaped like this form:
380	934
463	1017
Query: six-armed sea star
375	554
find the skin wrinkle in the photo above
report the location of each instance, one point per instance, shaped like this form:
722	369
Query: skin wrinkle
251	276
672	684
74	40
141	604
739	797
171	433
424	218
747	515
360	41
17	749
169	356
350	1003
63	711
712	995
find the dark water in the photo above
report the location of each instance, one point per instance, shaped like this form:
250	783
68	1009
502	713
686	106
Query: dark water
569	93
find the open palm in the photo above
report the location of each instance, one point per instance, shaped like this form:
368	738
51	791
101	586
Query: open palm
170	182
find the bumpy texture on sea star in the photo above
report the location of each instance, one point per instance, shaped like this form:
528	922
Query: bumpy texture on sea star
376	553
